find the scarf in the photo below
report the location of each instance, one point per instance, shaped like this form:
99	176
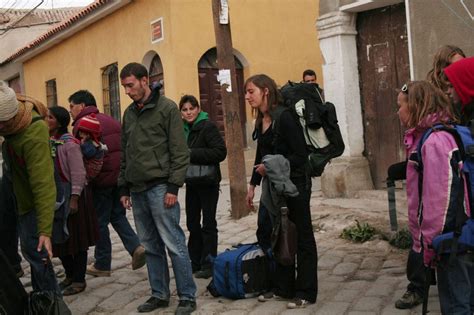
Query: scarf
23	118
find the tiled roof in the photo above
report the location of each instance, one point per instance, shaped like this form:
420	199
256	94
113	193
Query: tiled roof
60	27
10	17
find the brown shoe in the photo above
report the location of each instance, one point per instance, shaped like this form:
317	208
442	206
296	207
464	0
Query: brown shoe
93	271
138	258
74	288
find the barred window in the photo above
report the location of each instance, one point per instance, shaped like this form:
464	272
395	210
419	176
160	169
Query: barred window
111	91
51	93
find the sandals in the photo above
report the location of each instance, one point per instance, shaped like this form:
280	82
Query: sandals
74	288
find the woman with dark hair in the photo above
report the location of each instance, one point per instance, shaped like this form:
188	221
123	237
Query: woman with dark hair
81	231
206	147
262	94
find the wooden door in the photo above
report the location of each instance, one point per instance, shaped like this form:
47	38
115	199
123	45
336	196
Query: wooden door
382	48
211	100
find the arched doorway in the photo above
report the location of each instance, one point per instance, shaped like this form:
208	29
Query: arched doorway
210	90
152	61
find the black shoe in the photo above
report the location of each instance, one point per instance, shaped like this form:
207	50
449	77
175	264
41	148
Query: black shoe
65	283
152	304
203	274
185	307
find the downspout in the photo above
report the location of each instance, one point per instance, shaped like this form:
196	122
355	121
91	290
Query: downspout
410	46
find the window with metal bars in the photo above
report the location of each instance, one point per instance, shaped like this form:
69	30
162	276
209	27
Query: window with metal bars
51	93
111	91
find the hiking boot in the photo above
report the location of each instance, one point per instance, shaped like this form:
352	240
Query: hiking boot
297	303
185	307
409	300
93	271
203	274
138	257
75	288
152	304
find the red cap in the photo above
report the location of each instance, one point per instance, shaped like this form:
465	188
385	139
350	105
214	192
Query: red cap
89	124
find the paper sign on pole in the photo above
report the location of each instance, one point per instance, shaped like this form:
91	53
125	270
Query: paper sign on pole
224	13
224	78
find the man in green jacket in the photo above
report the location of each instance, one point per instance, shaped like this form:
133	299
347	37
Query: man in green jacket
27	155
153	166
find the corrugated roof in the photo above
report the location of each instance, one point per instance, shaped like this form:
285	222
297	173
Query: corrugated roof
60	27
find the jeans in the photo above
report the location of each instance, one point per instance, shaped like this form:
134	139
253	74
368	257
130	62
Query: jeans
202	240
158	227
416	273
110	210
456	284
42	272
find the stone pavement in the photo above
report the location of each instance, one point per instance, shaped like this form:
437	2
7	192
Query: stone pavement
353	278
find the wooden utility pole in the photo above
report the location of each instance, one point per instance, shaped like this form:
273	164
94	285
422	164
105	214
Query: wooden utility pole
230	105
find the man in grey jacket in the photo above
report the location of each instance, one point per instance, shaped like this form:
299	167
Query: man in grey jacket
153	167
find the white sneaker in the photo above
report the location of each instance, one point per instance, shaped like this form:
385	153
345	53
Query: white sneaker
297	303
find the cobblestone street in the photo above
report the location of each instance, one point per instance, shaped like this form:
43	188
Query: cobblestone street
353	278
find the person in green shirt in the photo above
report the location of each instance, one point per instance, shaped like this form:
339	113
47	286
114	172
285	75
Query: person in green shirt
27	155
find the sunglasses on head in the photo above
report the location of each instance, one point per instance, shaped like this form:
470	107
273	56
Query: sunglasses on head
404	88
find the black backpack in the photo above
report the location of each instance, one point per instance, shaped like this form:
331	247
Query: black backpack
318	120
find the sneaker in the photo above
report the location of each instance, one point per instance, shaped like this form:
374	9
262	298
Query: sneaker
268	296
297	303
93	271
185	307
203	274
409	300
138	258
152	304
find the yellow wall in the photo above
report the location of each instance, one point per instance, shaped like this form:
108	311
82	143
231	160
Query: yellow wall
276	37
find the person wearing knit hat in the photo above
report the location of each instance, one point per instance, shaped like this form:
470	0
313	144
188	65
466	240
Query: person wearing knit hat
26	153
92	148
461	76
89	125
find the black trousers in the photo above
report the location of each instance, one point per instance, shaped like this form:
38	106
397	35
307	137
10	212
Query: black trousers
291	281
416	272
75	266
202	239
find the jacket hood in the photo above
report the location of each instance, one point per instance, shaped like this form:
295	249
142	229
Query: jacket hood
200	117
461	76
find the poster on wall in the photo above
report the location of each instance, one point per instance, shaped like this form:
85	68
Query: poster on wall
157	30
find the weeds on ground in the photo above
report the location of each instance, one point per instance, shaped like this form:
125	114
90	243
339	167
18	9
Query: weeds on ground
359	233
402	239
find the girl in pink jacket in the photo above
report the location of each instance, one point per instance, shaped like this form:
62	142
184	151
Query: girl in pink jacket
422	106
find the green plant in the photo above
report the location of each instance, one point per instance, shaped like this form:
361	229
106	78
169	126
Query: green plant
358	233
402	239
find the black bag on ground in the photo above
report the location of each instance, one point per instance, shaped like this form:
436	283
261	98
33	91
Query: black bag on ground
284	240
13	297
318	119
47	303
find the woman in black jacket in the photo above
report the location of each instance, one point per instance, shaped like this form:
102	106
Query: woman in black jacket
206	147
299	286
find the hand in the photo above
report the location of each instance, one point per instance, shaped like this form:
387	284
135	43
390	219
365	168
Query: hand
73	204
45	241
170	200
250	196
260	168
126	202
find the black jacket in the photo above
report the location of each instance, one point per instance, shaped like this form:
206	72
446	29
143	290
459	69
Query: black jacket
206	144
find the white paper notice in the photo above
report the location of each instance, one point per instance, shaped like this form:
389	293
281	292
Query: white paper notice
224	78
224	14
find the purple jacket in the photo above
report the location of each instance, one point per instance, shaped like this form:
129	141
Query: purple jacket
111	132
441	166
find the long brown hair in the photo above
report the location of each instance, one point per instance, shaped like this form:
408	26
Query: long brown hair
425	99
441	60
274	98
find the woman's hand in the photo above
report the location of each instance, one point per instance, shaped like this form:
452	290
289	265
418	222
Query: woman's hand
73	204
250	195
260	168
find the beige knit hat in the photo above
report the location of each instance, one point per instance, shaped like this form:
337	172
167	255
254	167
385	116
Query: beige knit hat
8	102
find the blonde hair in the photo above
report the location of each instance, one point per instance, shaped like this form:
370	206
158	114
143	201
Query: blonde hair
441	60
424	99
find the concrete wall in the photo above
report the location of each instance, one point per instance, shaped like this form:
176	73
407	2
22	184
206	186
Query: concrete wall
444	23
277	37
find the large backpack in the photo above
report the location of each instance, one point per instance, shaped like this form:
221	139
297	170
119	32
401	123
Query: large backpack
318	120
241	272
462	238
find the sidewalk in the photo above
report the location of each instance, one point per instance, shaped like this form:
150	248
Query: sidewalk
353	278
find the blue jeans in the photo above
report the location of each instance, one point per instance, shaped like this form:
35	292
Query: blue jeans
42	272
456	284
158	227
110	210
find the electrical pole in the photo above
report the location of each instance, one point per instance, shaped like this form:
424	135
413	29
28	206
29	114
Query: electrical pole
230	105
